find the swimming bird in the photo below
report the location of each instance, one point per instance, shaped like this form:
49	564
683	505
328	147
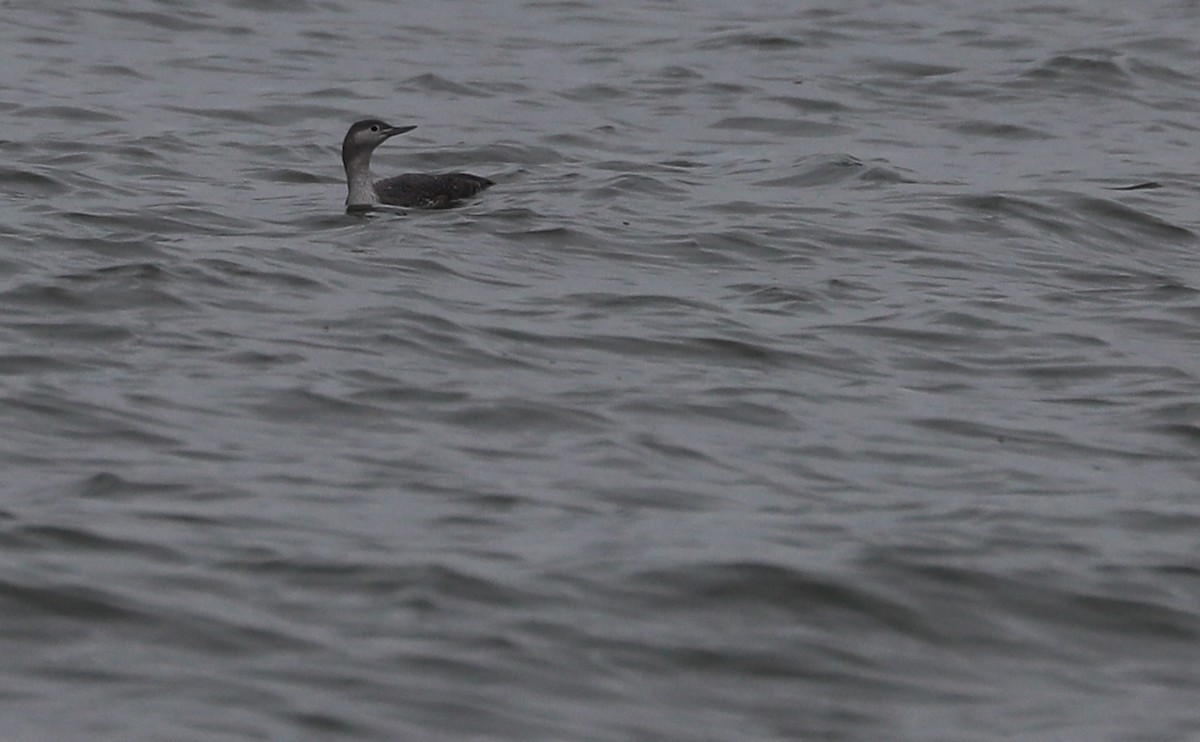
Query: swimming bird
423	190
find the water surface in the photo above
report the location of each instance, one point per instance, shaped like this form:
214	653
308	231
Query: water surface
805	376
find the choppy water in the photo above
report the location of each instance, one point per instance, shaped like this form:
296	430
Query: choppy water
804	377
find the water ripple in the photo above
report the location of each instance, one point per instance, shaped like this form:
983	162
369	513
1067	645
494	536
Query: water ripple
807	374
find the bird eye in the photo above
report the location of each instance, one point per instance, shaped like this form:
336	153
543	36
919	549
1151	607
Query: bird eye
374	127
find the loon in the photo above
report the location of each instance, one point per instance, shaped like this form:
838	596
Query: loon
423	190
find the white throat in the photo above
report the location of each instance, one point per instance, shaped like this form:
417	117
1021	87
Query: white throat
358	181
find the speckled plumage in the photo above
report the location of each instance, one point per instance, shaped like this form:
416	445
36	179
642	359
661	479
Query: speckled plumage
419	190
428	190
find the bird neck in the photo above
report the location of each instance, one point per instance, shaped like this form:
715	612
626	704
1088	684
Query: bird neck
358	179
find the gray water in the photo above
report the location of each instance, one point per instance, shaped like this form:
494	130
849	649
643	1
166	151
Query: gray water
803	377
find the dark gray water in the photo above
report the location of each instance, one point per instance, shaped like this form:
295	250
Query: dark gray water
803	377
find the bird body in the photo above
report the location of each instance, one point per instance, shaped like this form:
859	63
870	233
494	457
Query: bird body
420	190
429	190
